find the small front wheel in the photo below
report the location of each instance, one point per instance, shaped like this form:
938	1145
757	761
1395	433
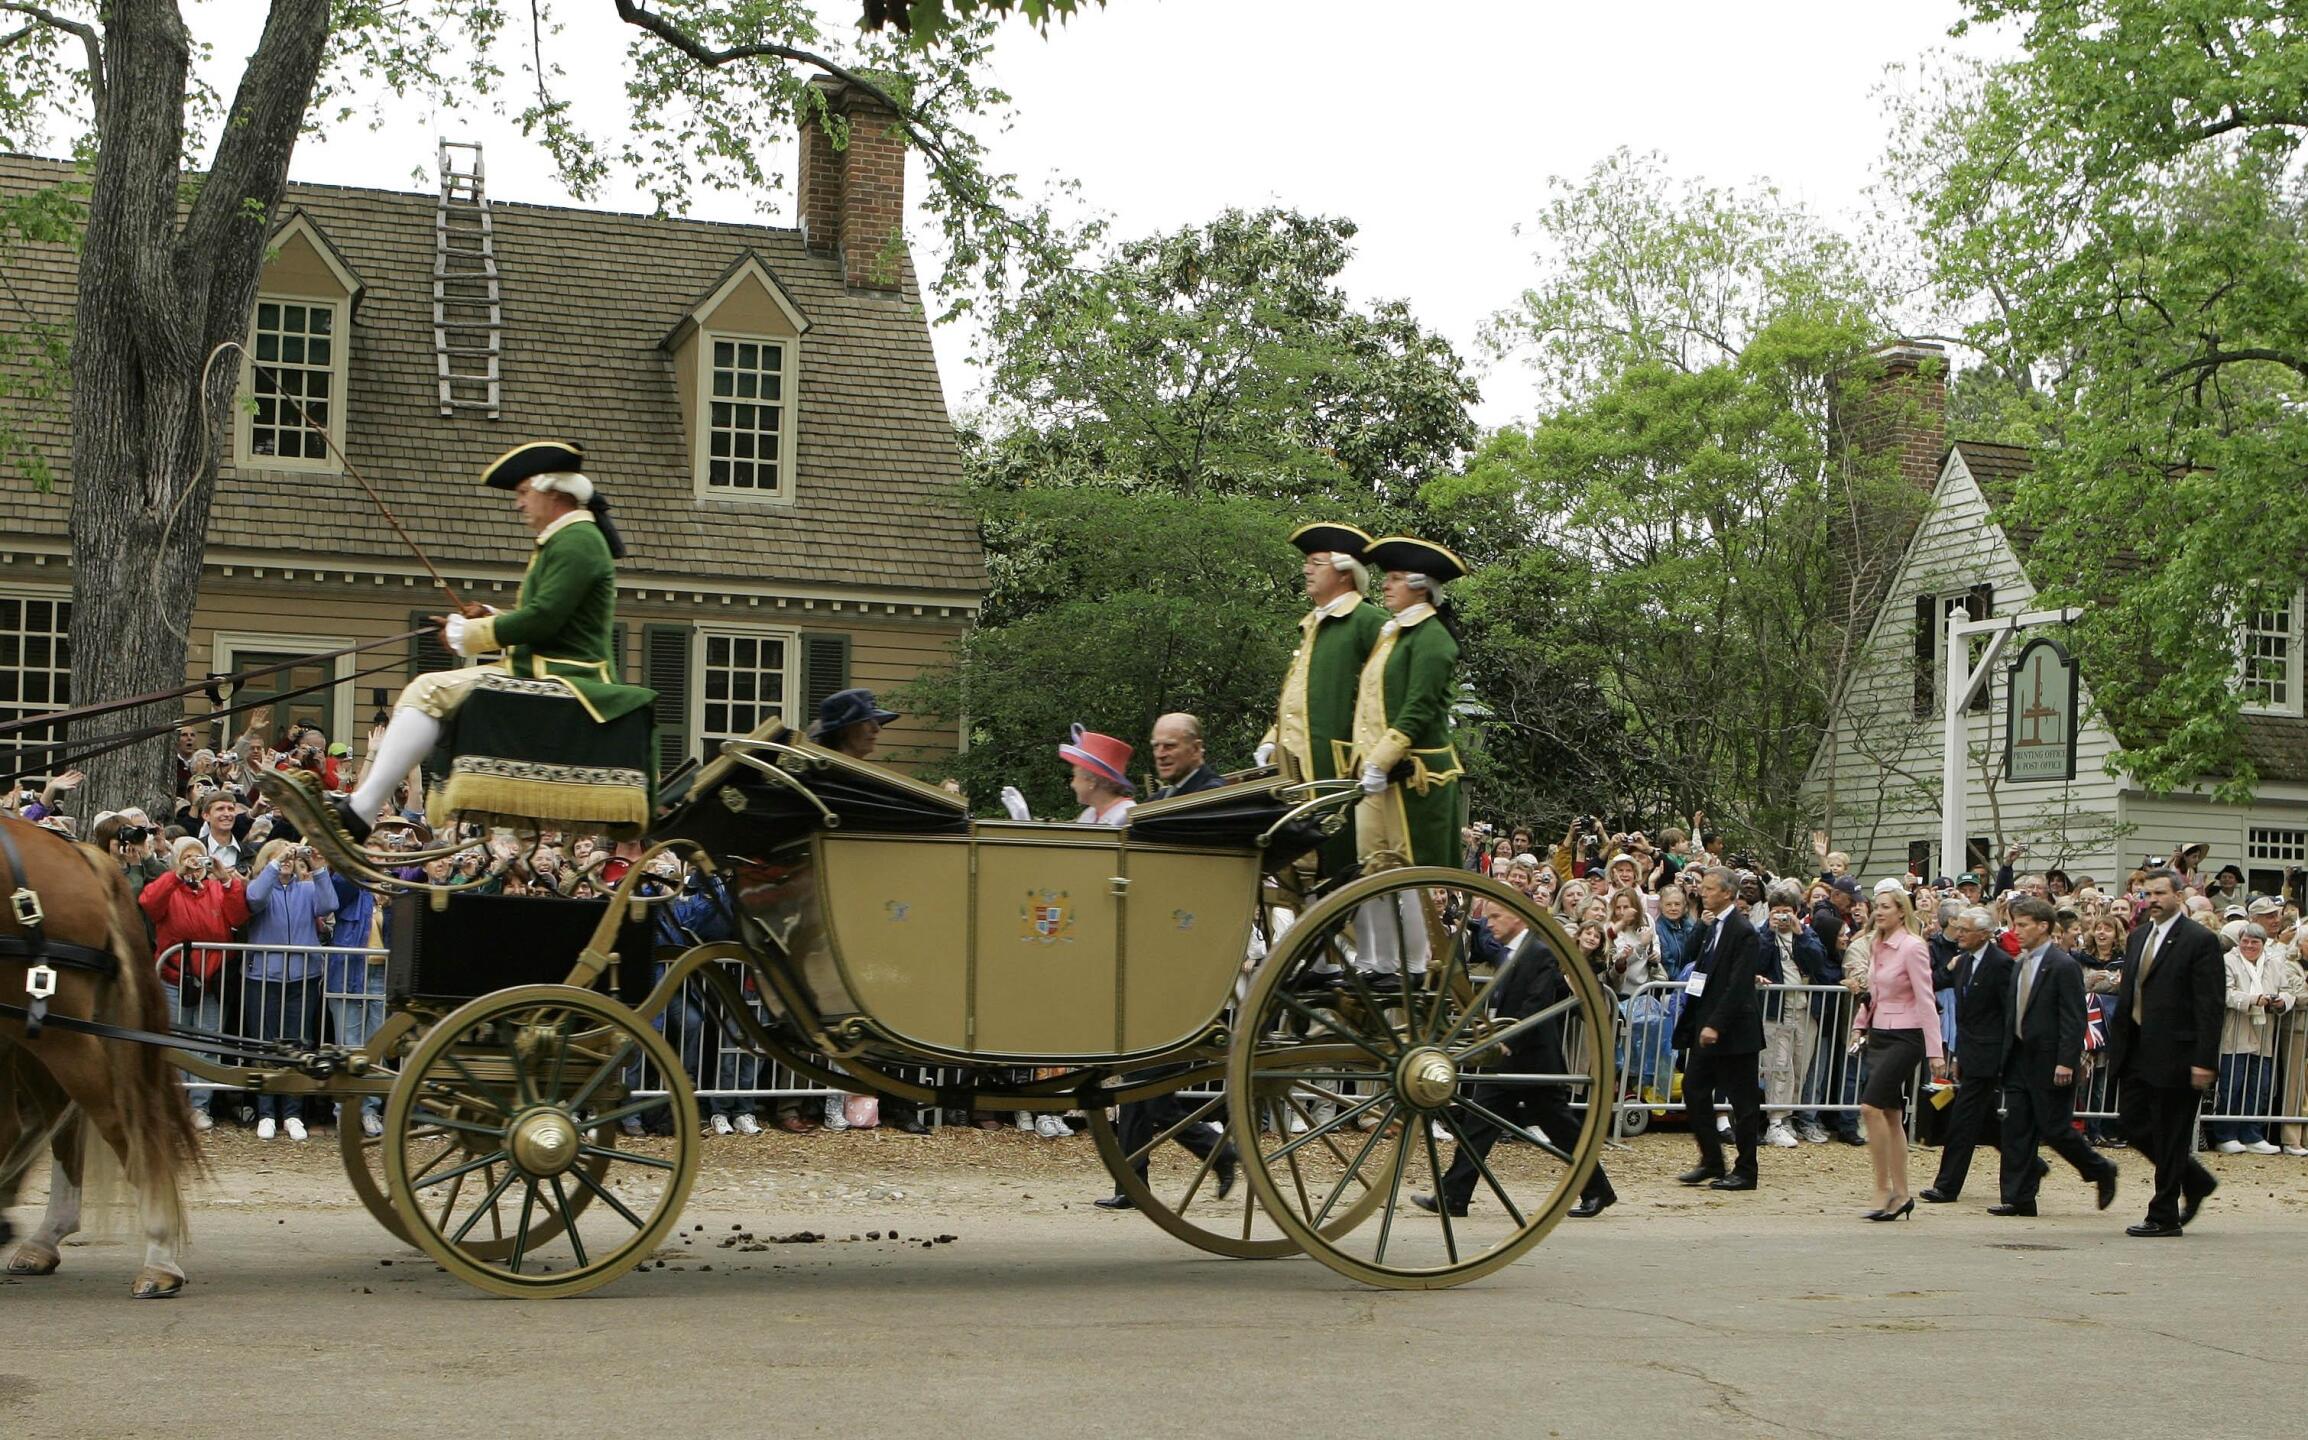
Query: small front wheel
533	1197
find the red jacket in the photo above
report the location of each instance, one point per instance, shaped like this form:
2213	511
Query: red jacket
182	914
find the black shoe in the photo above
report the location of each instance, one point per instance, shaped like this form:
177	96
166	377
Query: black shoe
2192	1201
1732	1182
1317	982
1933	1195
1116	1201
1226	1167
1388	983
1432	1207
2115	1142
354	825
2153	1230
1851	1137
1699	1175
1591	1206
913	1127
2025	1210
2107	1184
1901	1213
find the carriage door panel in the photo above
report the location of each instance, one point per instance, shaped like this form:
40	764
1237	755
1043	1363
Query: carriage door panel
1047	935
1185	929
897	913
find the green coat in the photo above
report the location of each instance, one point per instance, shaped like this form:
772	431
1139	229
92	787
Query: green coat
1314	724
563	620
1403	715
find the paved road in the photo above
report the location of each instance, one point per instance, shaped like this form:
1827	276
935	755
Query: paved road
1088	1324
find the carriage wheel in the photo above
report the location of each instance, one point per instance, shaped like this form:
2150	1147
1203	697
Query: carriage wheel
1179	1191
364	1158
1411	1056
534	1082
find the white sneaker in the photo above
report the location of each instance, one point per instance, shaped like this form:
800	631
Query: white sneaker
747	1125
2262	1147
371	1125
1324	1112
264	1128
2296	1149
2230	1147
1050	1127
719	1124
1723	1128
294	1127
1026	1124
202	1120
1781	1136
1297	1123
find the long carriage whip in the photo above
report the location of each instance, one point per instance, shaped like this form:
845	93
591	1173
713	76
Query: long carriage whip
330	441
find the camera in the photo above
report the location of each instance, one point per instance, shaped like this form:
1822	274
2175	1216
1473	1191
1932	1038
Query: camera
132	834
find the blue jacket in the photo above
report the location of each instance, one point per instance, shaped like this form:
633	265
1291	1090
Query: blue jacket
1673	936
288	913
698	917
350	974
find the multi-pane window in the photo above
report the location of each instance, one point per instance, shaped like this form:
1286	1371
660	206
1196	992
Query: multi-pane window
2277	847
743	678
745	417
2270	678
292	384
35	672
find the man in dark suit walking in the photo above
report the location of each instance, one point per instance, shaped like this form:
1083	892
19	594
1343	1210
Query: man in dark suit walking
1980	975
1534	980
2164	1049
2046	1007
1722	1028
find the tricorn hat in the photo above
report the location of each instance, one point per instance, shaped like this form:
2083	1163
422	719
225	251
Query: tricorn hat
844	708
1324	537
1101	755
537	457
1419	557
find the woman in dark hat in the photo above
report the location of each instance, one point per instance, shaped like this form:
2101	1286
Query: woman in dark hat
851	722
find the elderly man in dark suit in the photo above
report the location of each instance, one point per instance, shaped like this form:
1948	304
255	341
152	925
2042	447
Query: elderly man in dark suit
1980	975
2045	1053
2164	1049
1533	981
1722	1028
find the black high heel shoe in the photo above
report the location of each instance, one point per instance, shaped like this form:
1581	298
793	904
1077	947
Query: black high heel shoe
1904	1210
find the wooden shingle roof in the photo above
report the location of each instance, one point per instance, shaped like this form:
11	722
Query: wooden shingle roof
588	297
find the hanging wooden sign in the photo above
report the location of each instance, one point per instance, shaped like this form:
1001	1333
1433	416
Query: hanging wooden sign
2040	714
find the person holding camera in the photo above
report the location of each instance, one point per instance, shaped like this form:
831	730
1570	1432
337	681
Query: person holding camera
292	904
194	906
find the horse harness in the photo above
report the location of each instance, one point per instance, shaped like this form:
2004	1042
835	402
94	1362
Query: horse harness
34	946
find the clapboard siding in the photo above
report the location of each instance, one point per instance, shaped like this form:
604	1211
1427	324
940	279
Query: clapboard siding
1876	780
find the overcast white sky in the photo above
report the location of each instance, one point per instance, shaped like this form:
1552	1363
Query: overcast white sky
1434	127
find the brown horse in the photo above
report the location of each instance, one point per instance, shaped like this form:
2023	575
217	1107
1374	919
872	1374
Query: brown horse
57	1088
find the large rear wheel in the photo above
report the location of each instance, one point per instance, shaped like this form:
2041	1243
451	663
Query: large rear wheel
498	1149
1375	1009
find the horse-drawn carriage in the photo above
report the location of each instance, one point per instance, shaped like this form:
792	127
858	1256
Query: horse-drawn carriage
1051	967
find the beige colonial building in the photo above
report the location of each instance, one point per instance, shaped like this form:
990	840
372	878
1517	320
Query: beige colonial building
761	405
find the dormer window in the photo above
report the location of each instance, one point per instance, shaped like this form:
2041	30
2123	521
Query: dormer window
2269	675
737	363
292	380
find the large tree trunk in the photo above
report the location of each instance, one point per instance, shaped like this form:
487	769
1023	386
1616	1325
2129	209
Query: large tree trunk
154	299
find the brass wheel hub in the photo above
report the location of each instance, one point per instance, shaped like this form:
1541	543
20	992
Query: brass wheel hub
544	1143
1427	1078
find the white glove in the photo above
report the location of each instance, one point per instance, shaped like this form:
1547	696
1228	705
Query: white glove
456	629
1015	803
1263	756
1373	779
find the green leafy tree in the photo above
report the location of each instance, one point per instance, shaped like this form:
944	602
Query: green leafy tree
169	263
2118	216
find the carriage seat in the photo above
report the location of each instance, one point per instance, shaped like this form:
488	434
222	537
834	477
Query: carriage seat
521	751
1231	816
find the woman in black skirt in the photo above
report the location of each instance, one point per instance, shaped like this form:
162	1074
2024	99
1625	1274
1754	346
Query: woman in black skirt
1900	1017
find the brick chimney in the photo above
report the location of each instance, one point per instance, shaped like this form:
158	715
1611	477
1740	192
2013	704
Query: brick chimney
1902	414
1893	428
853	197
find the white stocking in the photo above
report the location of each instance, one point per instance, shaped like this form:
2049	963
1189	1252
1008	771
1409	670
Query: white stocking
1379	942
408	740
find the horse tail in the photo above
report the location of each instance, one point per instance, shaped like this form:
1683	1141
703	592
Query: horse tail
162	1143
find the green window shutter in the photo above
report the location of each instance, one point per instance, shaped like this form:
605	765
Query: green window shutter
617	651
665	669
426	652
824	670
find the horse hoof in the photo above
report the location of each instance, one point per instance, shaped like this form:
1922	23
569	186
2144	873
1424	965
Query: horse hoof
31	1259
156	1285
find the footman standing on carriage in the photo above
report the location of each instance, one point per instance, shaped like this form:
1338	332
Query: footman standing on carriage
1409	767
1313	733
554	643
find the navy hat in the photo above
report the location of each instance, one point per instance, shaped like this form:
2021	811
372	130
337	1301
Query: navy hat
538	457
1419	557
845	708
1325	537
1845	884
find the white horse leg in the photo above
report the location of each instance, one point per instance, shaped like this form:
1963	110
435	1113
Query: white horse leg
40	1252
161	1276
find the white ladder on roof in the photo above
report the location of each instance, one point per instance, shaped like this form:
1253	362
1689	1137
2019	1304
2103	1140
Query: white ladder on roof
468	310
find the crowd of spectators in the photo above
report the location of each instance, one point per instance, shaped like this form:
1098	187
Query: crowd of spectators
1628	901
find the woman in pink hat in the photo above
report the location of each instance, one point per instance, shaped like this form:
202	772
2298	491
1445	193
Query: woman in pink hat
1101	780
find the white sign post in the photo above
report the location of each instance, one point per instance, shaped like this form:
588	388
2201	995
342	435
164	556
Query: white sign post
1963	681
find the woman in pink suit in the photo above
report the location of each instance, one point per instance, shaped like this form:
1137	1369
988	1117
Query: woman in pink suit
1900	1018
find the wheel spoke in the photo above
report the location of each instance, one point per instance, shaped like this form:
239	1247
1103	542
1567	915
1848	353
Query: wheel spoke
615	1065
569	1223
451	1122
1521	1027
602	1193
1194	1117
560	1052
628	1157
1511	1128
488	1206
448	1148
639	1107
1394	1187
1451	964
465	1169
1483	1168
1442	1200
482	1094
1292	1002
521	1235
1354	1170
1480	1004
1343	1118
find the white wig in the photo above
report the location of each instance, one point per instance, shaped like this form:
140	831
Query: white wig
1346	564
1432	586
568	482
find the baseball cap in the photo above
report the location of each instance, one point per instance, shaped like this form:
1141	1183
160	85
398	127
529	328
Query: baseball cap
2233	912
2264	905
1971	877
1845	884
339	747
